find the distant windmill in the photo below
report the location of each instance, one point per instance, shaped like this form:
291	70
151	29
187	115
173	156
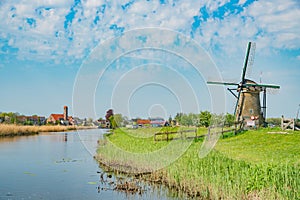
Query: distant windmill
248	108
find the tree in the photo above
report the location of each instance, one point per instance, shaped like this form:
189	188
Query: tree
229	119
112	121
13	120
217	119
185	120
205	118
193	119
274	121
110	117
170	119
9	117
118	119
125	120
109	113
178	117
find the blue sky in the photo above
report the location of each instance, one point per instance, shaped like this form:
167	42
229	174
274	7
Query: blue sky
45	47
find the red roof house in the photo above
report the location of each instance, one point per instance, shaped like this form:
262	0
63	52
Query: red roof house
61	118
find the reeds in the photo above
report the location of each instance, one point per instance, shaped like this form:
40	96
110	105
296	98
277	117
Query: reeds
217	176
14	130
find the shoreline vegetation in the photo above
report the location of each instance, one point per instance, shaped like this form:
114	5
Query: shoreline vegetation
255	164
10	130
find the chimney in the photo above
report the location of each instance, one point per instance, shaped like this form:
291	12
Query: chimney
65	112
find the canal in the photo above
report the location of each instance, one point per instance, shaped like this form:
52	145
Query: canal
58	166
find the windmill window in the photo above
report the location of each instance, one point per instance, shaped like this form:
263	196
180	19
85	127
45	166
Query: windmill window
251	111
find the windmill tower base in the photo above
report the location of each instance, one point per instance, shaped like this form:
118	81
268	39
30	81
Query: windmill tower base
248	110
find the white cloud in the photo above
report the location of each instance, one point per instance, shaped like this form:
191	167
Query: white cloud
92	4
241	2
273	24
278	21
215	4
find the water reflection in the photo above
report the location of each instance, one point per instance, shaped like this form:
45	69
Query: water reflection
66	137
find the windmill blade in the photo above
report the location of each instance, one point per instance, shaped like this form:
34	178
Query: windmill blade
273	91
251	59
221	83
262	85
237	109
225	83
246	62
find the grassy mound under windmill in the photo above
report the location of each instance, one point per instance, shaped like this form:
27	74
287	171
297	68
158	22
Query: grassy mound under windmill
257	164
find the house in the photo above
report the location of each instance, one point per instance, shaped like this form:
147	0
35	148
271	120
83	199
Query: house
154	122
143	122
78	121
61	118
32	120
103	123
157	122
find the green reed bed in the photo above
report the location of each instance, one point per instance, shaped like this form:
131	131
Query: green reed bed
217	176
247	166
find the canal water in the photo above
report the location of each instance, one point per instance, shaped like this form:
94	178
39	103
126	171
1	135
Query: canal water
57	166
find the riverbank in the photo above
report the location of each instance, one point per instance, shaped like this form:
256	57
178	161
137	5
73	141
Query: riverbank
252	165
18	130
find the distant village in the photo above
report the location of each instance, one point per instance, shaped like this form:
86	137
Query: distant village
54	119
66	120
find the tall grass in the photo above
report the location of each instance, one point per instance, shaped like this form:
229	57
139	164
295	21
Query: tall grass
228	172
13	130
217	176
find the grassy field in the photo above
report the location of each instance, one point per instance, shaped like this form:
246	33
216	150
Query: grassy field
257	164
263	146
15	130
131	150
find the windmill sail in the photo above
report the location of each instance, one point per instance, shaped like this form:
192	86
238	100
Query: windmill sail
246	61
251	59
262	85
220	83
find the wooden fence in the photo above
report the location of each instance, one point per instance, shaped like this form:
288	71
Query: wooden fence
222	131
179	132
287	123
182	134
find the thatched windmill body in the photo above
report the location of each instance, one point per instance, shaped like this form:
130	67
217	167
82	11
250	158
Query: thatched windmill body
248	110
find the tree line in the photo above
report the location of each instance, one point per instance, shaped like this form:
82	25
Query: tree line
202	119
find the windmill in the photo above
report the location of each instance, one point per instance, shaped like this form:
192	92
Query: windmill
248	110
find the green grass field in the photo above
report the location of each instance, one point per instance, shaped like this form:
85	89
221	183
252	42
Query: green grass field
256	164
263	146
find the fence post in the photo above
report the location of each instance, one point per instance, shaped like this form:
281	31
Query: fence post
222	131
282	121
